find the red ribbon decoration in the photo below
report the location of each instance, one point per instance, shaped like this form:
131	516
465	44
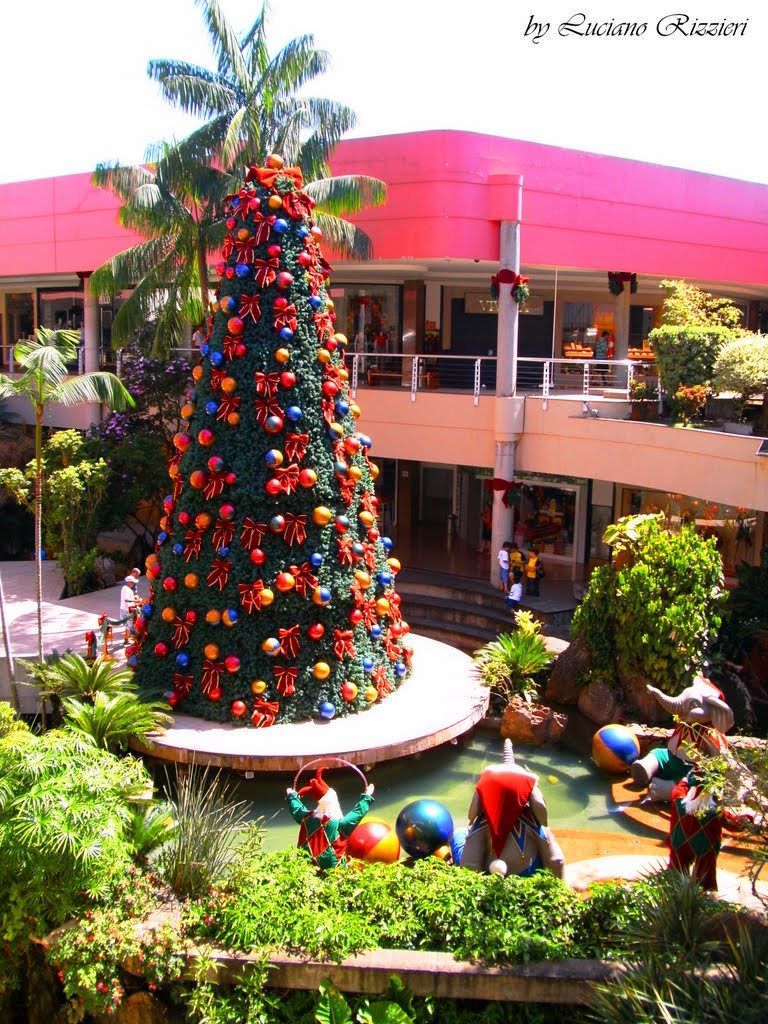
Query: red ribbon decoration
268	175
194	539
369	502
286	677
214	487
333	372
262	224
391	647
212	671
507	276
182	684
296	446
381	681
342	644
250	307
219	574
244	196
394	604
228	248
297	204
245	249
228	346
285	317
304	577
369	555
265	271
345	555
228	405
295	529
181	629
250	595
266	384
178	486
223	533
252	533
217	376
328	411
289	641
264	713
408	656
323	324
347	488
266	407
288	477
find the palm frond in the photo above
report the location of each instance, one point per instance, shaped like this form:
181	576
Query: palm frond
101	387
347	193
344	237
224	41
191	88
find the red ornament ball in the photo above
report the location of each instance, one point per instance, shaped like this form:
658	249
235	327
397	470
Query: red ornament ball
330	388
316	631
273	486
280	302
184	518
238	708
170	584
227	511
274	250
235	325
198	479
284	279
288	379
206	438
191	616
232	663
258	556
355	616
307	478
161	649
230	478
214	693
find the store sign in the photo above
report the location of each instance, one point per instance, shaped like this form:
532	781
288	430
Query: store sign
480	302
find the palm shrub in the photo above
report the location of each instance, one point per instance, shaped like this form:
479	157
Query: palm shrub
512	665
70	675
112	721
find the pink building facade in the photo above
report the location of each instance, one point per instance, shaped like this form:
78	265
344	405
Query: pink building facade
460	389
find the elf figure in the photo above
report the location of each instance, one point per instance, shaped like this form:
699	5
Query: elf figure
695	828
325	832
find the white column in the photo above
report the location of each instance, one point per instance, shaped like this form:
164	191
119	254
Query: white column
90	327
506	378
623	303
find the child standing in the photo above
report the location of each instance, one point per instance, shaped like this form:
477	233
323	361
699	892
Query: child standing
532	573
515	595
503	557
515	558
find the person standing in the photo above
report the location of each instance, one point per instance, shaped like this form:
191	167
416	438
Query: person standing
486	525
515	559
515	595
129	599
198	337
603	351
533	572
503	559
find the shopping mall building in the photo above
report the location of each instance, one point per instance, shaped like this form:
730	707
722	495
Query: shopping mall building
467	396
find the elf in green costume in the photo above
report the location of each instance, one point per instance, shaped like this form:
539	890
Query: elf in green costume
325	832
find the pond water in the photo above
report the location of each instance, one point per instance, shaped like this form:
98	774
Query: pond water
578	795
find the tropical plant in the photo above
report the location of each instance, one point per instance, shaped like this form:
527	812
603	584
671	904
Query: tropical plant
689	401
209	823
176	201
512	665
44	379
70	675
741	367
685	305
111	721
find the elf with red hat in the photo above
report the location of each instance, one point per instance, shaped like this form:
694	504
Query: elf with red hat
325	832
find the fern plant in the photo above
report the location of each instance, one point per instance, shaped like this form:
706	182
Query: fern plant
112	720
512	665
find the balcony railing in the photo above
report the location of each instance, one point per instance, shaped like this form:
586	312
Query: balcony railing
476	375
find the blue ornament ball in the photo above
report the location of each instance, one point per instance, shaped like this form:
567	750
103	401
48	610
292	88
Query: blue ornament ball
211	408
294	413
242	269
182	659
357	549
385	578
342	408
162	537
217	358
223	552
387	543
400	668
227	303
234	616
457	843
314	300
365	441
147	611
614	748
367	664
132	662
280	226
303	232
423	826
286	333
178	549
327	710
375	630
315	559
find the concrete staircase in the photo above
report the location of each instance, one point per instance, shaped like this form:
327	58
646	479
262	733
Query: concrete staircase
467	613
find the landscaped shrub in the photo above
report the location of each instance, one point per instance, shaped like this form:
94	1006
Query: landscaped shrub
686	358
741	367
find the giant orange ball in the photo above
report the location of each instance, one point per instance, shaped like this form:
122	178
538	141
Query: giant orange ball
375	842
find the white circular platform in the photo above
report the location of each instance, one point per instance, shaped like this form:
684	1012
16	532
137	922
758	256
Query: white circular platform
442	699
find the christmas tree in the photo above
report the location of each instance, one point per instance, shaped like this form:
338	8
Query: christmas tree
273	595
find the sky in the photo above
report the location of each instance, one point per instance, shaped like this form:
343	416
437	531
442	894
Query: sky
76	92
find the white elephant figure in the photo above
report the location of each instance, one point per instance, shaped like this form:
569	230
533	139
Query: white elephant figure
703	718
508	832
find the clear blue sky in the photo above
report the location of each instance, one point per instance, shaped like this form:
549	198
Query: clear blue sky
75	90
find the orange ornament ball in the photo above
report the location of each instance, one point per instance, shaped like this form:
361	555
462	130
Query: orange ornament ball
275	202
367	518
285	582
168	614
202	520
213	617
382	606
394	565
211	651
187	412
321	515
197	373
323	355
198	479
354	473
275	161
151	559
243	234
233	419
330	304
363	578
373	469
349	691
321	670
258	686
267	597
229	385
371	694
282	355
191	580
174	471
344	373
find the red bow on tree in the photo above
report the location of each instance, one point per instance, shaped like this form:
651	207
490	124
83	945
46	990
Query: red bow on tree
214	487
227	405
296	446
262	224
266	384
223	533
250	595
407	656
194	539
217	376
268	175
328	410
295	529
306	580
333	372
264	713
265	271
345	555
219	574
381	681
181	630
182	684
228	248
369	554
249	306
369	502
342	644
252	533
212	671
297	204
285	677
228	346
242	207
347	489
394	605
289	641
324	324
266	407
285	317
245	248
288	477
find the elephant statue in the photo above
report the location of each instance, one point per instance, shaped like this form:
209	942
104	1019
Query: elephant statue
703	718
508	831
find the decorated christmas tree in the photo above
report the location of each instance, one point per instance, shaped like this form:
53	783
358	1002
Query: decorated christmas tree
273	593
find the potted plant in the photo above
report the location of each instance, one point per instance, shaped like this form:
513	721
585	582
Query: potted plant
741	369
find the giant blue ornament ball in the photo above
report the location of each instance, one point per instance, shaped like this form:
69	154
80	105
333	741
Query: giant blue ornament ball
458	841
327	710
423	826
614	748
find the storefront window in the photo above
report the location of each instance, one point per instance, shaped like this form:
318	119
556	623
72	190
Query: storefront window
545	517
733	528
60	309
369	316
583	322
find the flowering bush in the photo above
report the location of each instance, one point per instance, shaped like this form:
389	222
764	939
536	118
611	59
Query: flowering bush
689	401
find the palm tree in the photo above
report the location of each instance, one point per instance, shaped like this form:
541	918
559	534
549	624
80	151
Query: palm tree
251	108
44	379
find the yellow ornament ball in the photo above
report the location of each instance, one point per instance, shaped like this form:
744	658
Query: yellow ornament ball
367	518
373	469
382	606
321	515
267	597
323	355
354	473
168	614
321	670
191	580
355	410
363	578
213	617
229	385
282	355
371	694
275	202
211	651
344	373
233	419
394	565
340	338
258	686
330	304
197	373
275	161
